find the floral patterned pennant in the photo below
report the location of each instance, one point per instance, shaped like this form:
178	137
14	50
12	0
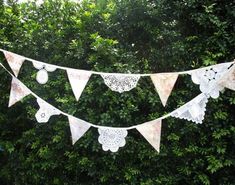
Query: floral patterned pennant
78	128
78	80
15	61
18	91
152	132
164	83
228	80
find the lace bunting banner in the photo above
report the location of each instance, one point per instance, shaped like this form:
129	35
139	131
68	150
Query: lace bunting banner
120	82
78	128
18	91
15	61
164	83
78	80
193	110
111	138
228	80
208	79
152	132
45	111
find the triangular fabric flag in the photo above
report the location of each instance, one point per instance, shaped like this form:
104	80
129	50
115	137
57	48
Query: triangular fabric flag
228	80
18	91
164	83
15	61
78	80
78	128
194	110
152	132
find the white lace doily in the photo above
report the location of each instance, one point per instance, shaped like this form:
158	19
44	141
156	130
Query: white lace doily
193	110
42	74
45	111
111	139
120	82
208	79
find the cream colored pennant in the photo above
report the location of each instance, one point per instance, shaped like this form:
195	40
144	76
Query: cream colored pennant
228	80
78	80
164	83
152	132
194	110
18	91
15	61
78	128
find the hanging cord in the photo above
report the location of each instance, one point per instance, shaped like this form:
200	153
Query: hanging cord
100	73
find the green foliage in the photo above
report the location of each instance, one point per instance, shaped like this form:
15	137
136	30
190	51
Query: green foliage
117	36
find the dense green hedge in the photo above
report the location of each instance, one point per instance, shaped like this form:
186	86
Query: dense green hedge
139	36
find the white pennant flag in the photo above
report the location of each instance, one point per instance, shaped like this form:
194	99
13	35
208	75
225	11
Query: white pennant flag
194	110
18	91
78	80
15	61
152	132
228	80
78	128
208	78
45	111
164	83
